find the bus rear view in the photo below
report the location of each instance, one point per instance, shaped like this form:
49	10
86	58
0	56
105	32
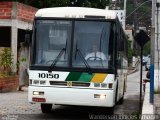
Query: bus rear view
73	58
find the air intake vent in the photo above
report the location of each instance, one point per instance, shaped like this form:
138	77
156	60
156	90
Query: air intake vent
96	17
70	83
60	83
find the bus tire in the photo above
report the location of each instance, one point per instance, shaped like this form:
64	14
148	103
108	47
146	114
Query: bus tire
120	102
46	108
116	95
111	110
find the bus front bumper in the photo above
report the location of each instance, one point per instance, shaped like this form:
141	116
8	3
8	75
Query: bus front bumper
71	96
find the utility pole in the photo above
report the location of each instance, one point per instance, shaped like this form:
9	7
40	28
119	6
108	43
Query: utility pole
154	51
153	31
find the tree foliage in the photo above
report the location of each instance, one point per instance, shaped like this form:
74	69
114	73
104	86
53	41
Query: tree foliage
130	51
6	60
143	13
61	3
147	48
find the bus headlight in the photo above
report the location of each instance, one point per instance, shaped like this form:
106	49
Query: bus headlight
38	93
39	82
97	85
36	82
42	82
104	85
101	96
35	93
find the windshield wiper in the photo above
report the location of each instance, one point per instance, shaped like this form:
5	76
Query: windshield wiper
56	60
84	61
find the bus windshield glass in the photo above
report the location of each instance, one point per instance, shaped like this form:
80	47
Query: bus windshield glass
92	39
84	43
51	38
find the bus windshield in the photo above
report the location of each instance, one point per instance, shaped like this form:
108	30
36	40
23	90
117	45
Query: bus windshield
52	37
92	39
83	43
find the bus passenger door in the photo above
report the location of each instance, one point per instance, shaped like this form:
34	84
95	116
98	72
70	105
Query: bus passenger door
120	74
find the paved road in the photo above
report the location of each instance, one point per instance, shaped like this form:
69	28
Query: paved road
15	105
131	98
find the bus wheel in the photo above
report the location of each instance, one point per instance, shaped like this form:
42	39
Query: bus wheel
116	95
120	102
111	110
46	108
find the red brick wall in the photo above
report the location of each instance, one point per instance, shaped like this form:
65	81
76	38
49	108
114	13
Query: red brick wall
5	10
23	12
8	84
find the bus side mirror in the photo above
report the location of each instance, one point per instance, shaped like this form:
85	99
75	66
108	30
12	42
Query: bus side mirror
28	38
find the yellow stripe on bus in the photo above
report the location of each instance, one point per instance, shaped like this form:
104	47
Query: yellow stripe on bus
99	78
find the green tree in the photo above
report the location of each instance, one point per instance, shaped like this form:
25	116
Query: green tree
143	13
130	51
147	48
61	3
6	60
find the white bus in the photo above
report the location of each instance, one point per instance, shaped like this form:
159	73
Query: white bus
60	71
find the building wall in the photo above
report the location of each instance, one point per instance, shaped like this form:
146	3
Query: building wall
5	10
25	12
15	10
16	16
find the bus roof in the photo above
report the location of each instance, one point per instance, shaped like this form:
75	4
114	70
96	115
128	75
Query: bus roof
75	12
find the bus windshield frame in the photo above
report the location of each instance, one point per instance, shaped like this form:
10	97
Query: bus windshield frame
75	38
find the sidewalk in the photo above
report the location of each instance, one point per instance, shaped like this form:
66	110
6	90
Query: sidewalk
149	111
157	105
132	69
152	111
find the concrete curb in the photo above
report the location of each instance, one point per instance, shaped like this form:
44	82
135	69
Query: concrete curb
148	108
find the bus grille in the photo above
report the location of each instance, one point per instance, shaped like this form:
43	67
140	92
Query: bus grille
64	83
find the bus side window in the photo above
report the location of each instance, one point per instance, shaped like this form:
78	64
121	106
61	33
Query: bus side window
120	48
121	41
118	61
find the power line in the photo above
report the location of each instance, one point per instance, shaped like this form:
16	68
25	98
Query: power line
138	8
